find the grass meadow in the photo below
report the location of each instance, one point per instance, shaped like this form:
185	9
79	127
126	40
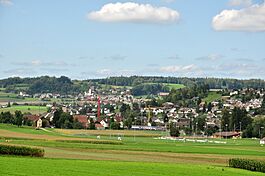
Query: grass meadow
139	153
25	109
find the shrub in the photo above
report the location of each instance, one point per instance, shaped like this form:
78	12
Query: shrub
20	150
247	164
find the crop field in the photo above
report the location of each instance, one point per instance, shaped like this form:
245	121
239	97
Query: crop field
138	153
24	109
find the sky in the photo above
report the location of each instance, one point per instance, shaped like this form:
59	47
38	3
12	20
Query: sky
85	39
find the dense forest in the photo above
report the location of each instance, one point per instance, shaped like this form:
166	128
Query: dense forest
141	85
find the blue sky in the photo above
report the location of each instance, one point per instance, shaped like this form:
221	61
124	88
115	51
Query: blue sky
99	38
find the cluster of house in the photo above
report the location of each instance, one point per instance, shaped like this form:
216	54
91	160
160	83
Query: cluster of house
181	116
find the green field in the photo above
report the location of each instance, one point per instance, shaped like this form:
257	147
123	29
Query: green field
139	154
25	109
212	96
8	97
55	167
174	86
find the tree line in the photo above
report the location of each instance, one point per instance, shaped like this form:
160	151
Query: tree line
214	83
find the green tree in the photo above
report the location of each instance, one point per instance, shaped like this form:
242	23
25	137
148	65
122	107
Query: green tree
225	120
18	118
173	130
92	125
240	118
77	124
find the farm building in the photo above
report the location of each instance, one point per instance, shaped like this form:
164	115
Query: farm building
228	134
32	118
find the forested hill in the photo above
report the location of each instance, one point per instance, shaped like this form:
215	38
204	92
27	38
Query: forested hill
43	84
214	83
65	85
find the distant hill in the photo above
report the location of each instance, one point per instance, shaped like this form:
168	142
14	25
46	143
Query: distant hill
214	83
139	84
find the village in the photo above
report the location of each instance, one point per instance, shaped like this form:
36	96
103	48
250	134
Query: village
97	109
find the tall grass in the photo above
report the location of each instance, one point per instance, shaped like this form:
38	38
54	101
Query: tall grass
20	150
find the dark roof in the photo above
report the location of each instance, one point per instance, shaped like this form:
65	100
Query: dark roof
227	134
32	117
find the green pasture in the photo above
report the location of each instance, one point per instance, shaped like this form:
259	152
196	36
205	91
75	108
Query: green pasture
56	167
212	96
25	109
9	97
174	86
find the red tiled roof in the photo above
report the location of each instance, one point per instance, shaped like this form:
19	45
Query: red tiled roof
81	118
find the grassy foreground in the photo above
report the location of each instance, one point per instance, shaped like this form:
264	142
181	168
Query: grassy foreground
54	167
79	152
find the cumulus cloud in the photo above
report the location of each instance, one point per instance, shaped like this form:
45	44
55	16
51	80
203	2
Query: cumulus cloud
6	2
240	3
134	12
247	19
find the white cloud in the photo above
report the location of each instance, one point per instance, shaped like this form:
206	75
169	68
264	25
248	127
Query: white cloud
240	3
247	19
133	12
178	68
6	2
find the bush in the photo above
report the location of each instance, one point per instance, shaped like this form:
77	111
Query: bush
247	164
20	150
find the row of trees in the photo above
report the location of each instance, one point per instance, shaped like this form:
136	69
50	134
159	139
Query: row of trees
16	119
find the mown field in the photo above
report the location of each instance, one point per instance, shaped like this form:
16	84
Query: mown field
139	153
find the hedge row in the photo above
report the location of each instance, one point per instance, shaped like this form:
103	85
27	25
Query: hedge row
20	150
247	164
92	141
